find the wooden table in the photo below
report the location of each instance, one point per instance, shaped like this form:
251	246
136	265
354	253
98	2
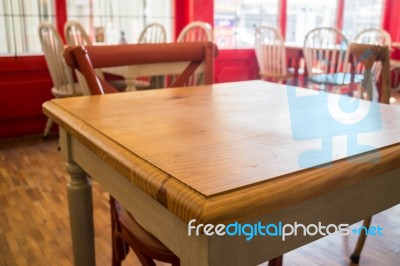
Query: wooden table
131	73
217	154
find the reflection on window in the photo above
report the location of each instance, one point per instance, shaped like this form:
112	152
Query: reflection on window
119	21
19	24
235	21
304	15
360	15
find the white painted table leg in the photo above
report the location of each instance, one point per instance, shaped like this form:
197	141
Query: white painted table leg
81	215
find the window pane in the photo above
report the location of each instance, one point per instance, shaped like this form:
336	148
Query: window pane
304	15
120	20
360	15
19	23
235	21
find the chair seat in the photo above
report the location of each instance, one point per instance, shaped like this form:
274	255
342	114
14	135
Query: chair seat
276	76
67	91
146	240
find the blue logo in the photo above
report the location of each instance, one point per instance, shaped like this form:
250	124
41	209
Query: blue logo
317	115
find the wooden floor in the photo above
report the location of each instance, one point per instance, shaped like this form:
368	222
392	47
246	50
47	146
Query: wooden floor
34	225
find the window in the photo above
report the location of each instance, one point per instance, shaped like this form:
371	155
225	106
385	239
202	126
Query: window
119	20
235	21
19	23
360	15
304	15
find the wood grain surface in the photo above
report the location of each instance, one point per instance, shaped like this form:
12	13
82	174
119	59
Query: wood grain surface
220	151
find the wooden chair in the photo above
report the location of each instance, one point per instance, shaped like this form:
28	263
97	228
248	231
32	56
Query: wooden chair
377	37
373	36
368	54
326	58
271	54
196	31
88	58
53	48
75	34
125	229
153	33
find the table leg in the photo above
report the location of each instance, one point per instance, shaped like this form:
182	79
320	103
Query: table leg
81	215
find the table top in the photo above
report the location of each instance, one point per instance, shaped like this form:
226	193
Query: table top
223	152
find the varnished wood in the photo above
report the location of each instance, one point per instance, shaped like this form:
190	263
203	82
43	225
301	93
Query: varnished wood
152	57
139	169
190	118
368	54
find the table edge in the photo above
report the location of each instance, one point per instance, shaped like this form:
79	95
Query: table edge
234	205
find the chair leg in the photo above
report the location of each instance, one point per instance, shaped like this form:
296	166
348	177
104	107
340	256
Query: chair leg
145	260
355	257
47	128
119	249
276	261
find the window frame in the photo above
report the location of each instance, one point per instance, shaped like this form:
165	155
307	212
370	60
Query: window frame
282	17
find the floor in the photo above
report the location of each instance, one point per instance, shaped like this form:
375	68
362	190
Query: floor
34	227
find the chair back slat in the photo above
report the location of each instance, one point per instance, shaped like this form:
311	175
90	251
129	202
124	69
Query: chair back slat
196	31
270	53
373	36
153	33
376	37
53	49
326	51
75	34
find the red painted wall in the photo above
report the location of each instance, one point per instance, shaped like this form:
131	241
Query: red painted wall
24	85
391	22
235	65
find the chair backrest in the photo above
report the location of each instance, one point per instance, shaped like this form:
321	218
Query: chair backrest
75	34
196	31
60	73
376	37
153	33
373	36
326	51
367	55
270	52
86	59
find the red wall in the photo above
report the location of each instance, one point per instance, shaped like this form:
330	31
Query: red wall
235	65
391	22
24	85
